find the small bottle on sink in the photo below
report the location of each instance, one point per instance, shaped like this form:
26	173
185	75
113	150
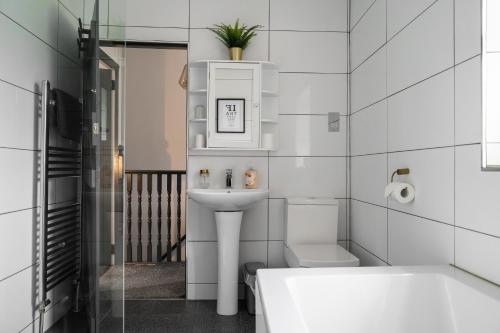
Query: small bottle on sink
251	178
204	180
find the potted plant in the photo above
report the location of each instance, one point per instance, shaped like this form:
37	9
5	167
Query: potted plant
236	37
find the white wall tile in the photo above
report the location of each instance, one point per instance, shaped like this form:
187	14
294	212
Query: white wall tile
39	17
19	127
20	225
207	13
18	297
322	52
307	93
149	13
39	61
201	262
17	171
17	301
369	130
402	12
217	166
358	8
307	176
202	259
417	241
315	15
276	255
201	225
255	222
476	204
427	107
201	291
277	216
204	45
252	252
369	227
478	253
369	178
422	49
369	34
365	258
468	116
432	175
170	35
306	135
467	29
368	81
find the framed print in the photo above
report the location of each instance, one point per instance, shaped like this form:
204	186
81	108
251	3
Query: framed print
230	115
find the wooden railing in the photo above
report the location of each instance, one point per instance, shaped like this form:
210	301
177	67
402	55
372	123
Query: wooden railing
162	181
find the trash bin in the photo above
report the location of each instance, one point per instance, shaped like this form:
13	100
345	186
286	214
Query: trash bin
249	276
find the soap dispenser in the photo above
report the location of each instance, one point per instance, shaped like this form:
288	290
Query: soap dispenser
251	178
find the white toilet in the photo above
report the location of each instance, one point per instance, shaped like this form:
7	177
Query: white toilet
311	234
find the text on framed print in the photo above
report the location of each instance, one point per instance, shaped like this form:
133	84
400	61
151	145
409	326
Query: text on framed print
230	115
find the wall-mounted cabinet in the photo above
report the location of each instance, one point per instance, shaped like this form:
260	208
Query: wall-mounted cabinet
233	105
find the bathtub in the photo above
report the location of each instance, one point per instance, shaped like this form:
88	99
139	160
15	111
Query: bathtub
418	299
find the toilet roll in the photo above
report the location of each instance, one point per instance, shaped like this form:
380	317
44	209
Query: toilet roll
199	141
268	141
401	192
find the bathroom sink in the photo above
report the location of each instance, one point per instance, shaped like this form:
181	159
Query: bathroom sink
228	206
227	199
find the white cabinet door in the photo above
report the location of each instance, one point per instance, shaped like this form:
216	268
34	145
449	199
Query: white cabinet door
233	105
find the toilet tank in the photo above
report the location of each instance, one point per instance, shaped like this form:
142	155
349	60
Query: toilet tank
311	220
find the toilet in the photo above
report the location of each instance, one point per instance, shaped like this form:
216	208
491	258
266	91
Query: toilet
311	234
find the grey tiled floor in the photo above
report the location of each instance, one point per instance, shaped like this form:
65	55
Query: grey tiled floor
165	316
147	281
181	316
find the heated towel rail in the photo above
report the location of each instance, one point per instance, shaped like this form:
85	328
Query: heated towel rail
60	231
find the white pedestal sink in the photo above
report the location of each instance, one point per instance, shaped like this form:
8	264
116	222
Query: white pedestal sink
228	205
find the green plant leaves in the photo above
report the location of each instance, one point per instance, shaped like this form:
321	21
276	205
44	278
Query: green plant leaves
235	35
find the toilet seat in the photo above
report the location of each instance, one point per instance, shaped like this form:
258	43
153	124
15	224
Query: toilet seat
319	255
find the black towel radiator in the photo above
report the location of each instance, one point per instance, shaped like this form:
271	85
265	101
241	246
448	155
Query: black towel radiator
60	231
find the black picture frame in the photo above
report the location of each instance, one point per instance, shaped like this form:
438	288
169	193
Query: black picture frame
242	100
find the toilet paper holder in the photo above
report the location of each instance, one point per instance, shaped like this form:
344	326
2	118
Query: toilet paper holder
399	172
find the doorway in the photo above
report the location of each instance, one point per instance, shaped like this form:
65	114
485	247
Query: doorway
154	223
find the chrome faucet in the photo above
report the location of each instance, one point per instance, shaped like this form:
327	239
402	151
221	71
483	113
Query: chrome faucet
229	178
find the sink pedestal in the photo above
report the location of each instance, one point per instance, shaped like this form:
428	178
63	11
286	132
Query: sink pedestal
228	245
228	205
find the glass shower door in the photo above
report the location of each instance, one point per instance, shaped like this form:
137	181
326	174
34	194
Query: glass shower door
110	228
102	213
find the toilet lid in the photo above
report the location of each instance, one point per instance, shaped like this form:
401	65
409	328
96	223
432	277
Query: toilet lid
321	255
